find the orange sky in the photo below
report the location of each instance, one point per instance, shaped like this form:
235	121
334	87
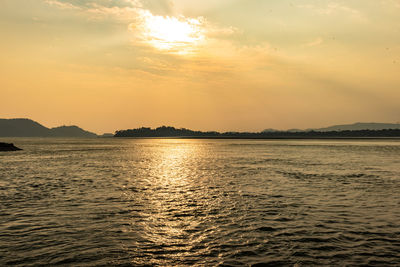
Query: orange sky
206	65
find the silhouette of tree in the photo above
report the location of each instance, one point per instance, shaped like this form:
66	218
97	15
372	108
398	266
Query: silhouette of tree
168	131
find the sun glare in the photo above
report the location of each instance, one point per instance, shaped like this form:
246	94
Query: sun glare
175	34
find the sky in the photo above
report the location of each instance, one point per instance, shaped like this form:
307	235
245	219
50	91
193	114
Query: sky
226	65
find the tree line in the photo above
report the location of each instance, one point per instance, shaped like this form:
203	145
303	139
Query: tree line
168	131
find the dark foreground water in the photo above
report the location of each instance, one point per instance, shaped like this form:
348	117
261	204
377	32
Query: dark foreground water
200	202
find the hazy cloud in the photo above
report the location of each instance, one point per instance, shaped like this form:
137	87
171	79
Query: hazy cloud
333	8
163	7
158	7
315	42
152	23
62	5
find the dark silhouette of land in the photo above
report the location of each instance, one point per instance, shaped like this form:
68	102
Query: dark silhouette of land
347	127
360	126
8	147
30	128
167	131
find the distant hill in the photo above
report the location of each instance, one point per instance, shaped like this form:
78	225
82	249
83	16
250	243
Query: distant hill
71	131
30	128
360	126
345	127
106	135
270	130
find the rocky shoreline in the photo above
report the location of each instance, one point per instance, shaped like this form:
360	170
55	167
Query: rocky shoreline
8	147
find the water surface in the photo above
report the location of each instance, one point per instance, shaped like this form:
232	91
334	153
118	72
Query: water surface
200	202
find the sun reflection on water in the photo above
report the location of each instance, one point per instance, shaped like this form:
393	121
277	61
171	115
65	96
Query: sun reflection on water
171	163
172	202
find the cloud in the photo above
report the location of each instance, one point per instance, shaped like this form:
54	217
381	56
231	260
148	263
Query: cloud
62	5
107	6
315	42
169	33
333	8
173	45
158	7
176	34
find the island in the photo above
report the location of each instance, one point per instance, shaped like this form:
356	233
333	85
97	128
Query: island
172	132
8	147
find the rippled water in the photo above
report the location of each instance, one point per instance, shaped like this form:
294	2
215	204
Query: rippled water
205	202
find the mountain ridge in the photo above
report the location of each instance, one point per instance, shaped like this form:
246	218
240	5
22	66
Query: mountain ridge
357	126
23	127
360	126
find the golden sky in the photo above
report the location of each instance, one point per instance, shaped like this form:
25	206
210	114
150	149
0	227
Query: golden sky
222	65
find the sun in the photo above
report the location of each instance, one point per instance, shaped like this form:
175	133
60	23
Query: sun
174	34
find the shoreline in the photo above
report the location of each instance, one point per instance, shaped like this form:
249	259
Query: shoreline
208	137
261	138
